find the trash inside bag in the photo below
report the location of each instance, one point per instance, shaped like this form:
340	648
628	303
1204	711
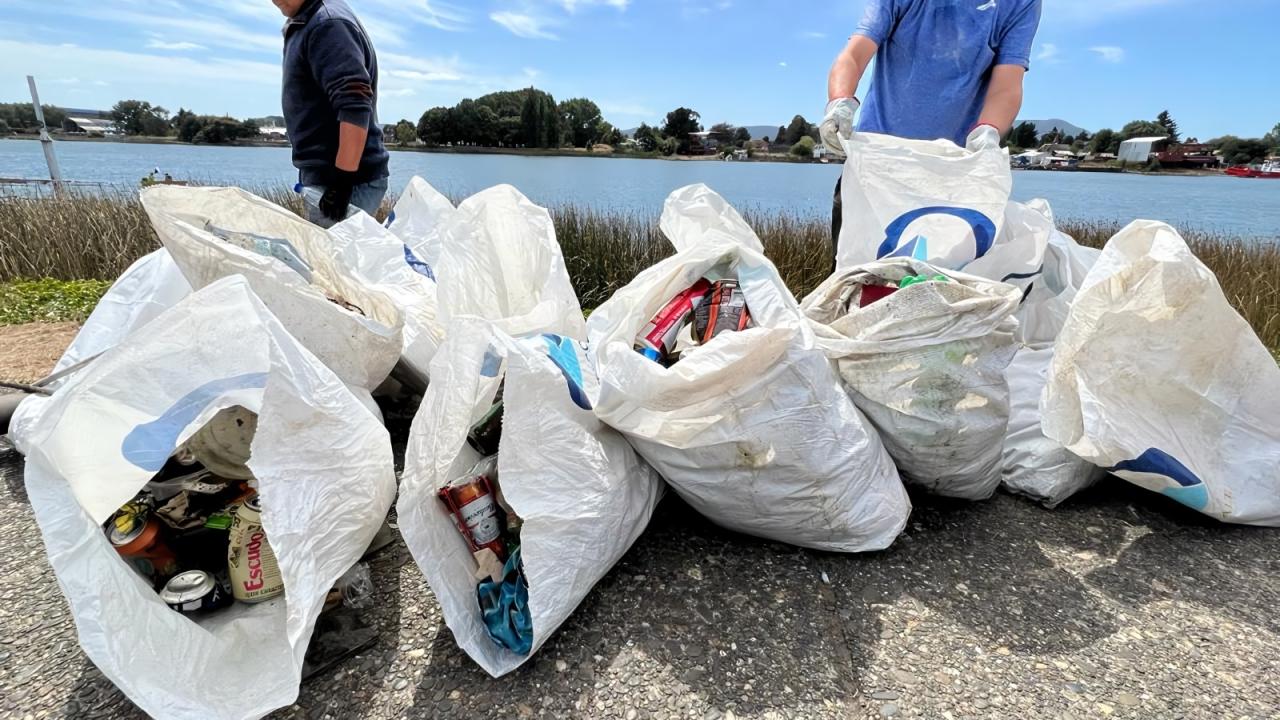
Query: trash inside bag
924	357
506	459
752	428
505	607
351	325
1157	378
162	560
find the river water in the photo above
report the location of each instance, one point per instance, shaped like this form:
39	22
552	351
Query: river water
1220	204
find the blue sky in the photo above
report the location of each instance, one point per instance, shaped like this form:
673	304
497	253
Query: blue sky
749	62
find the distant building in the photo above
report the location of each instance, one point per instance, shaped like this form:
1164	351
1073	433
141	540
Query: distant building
1189	155
273	132
88	126
89	114
1139	150
701	143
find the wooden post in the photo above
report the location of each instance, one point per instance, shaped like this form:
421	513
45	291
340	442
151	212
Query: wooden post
55	174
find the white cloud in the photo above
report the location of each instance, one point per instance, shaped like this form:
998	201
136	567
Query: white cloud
1048	53
812	35
432	13
158	44
1109	53
1098	13
782	64
524	25
571	6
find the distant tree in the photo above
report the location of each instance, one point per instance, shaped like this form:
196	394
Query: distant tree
1241	151
21	116
405	133
1143	128
1167	122
782	135
723	133
582	121
222	130
138	117
741	137
1273	137
1105	141
803	147
1084	137
798	128
4	127
540	120
436	126
610	135
1024	135
766	140
648	137
669	146
681	123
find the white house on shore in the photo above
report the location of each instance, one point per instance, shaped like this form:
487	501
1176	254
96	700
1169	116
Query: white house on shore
1139	150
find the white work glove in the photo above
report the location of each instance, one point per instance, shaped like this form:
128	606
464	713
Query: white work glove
837	124
983	137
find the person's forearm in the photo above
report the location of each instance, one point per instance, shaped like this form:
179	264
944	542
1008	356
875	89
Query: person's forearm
1004	100
351	142
849	67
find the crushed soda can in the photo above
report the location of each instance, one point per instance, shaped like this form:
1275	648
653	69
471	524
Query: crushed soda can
658	338
255	575
194	591
724	310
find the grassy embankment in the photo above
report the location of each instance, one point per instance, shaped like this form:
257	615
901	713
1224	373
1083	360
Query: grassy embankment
93	239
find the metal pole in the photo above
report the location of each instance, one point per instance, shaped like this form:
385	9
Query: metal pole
55	174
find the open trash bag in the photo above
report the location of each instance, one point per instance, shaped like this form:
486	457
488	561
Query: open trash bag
380	260
1156	378
148	287
926	363
422	218
323	469
1034	465
501	262
582	494
752	428
213	233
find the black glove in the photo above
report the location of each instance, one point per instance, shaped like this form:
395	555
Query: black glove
335	204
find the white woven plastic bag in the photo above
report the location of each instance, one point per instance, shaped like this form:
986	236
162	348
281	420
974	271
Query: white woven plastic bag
927	366
291	265
381	260
583	494
501	262
1158	379
752	429
323	469
1034	465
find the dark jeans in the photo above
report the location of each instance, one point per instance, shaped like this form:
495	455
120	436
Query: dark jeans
837	221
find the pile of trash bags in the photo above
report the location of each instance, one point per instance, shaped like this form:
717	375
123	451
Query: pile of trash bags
209	462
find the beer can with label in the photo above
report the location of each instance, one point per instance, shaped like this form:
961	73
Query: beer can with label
138	537
251	562
194	591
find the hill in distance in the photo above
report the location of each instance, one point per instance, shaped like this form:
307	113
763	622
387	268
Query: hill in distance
1047	126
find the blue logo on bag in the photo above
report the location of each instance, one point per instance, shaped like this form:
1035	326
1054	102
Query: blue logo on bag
562	352
418	265
984	233
391	217
149	446
1188	488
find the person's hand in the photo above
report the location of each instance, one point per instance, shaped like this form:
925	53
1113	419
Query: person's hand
837	124
335	204
983	137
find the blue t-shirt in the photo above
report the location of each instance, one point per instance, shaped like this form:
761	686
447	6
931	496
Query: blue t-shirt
934	61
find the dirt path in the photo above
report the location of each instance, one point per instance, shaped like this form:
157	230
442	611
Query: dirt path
1118	604
28	352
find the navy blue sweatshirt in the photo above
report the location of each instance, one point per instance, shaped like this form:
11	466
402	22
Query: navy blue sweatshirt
330	76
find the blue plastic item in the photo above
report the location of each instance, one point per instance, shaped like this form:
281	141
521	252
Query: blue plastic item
505	607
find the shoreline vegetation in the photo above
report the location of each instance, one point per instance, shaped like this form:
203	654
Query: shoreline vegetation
610	153
46	242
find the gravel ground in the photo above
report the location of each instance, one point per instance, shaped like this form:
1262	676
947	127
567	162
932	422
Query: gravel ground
1118	604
